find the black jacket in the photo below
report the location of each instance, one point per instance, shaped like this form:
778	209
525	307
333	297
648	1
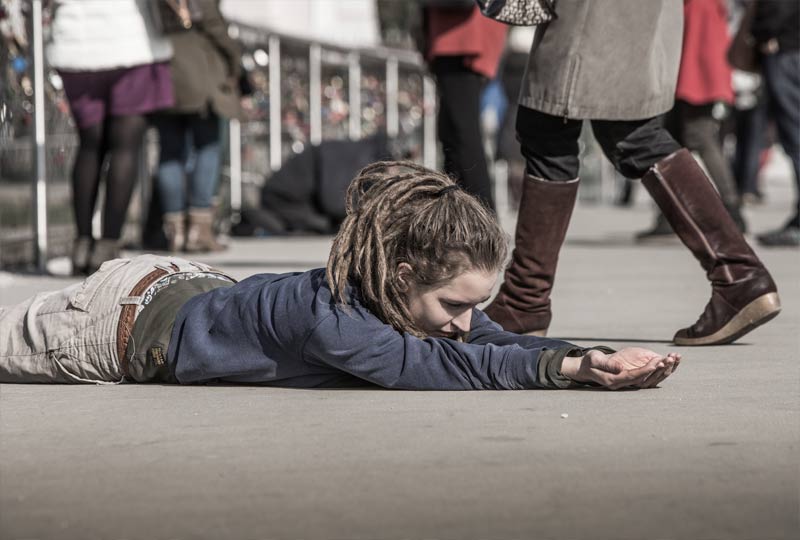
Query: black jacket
778	19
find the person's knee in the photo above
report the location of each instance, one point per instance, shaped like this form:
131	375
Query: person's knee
91	138
700	138
126	132
634	147
549	145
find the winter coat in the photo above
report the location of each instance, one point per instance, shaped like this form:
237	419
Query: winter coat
465	32
606	60
778	19
98	35
206	66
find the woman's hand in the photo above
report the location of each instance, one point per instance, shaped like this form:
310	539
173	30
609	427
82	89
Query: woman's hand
632	367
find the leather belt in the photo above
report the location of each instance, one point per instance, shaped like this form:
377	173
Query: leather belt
128	315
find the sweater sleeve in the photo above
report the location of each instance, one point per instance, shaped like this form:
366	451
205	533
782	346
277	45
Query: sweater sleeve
484	331
356	342
216	28
552	351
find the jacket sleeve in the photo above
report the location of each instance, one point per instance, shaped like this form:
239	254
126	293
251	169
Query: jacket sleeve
552	351
215	28
773	18
356	342
483	331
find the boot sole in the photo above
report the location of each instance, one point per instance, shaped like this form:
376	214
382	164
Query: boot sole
761	310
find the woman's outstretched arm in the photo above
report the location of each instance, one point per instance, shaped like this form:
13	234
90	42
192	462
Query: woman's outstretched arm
363	346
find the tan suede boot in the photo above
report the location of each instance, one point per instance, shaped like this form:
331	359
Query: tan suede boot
105	249
175	230
200	236
523	303
743	295
81	250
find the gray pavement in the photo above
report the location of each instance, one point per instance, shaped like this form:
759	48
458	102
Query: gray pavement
712	454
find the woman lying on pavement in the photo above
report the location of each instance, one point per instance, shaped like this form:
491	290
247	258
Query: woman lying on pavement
396	307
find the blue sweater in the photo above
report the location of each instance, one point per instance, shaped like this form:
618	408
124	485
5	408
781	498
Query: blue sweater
286	330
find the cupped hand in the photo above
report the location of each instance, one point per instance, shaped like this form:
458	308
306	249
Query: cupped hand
632	367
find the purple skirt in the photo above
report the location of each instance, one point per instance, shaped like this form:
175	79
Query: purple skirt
93	95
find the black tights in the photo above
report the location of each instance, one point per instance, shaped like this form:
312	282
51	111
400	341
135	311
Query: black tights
120	137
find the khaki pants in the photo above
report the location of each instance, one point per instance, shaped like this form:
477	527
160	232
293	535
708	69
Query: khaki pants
70	336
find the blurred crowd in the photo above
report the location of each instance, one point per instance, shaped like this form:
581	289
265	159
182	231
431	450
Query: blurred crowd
176	67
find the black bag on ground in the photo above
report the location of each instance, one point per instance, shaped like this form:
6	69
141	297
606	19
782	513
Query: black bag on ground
308	193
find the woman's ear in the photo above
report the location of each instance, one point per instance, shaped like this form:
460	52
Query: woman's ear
404	276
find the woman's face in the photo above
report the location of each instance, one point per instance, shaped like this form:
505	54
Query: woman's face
446	311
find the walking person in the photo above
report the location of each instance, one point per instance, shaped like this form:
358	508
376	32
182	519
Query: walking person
703	95
205	73
464	50
412	260
115	70
616	64
776	32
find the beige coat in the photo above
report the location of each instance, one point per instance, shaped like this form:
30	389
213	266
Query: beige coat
606	60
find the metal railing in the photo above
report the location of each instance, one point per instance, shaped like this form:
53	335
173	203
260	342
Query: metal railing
303	93
306	92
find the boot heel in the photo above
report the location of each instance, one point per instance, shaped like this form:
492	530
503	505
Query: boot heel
761	310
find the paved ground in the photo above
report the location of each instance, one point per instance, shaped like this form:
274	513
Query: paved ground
713	454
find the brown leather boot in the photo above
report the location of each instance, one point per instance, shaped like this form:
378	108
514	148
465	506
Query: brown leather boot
523	303
743	294
175	230
200	236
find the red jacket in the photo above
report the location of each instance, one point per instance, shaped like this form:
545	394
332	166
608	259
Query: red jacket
705	75
459	31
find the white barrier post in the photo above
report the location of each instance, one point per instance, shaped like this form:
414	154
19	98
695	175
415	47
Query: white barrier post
354	95
275	157
392	105
315	93
40	138
235	151
429	122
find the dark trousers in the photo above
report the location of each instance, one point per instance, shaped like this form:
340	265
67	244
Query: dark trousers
695	127
751	140
459	125
782	78
550	144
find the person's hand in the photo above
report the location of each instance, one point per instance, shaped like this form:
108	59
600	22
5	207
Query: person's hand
632	367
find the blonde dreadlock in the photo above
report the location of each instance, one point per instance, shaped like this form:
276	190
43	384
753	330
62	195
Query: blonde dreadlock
400	212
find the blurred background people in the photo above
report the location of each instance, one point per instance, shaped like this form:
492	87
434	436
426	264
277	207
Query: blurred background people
205	74
464	50
776	33
616	64
702	97
115	70
753	134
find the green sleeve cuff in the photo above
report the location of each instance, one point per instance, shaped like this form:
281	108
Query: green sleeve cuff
550	361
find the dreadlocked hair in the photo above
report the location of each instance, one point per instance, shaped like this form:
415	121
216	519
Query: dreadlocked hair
400	212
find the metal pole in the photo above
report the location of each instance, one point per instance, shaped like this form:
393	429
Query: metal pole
235	151
40	173
354	91
275	156
392	105
429	122
501	187
315	92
